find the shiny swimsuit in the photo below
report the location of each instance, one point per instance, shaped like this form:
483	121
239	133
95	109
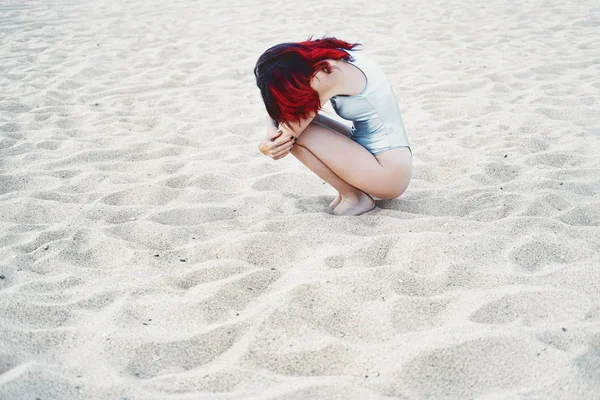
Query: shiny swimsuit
376	121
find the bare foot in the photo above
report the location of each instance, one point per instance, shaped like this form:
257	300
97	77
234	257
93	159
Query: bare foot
337	200
355	206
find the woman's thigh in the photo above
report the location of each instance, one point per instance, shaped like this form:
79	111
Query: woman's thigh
380	176
398	159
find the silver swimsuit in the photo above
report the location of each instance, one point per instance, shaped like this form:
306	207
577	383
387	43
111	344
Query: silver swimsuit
376	121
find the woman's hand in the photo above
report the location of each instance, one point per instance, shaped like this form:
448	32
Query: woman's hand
277	144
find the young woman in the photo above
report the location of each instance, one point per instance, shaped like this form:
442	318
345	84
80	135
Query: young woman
373	157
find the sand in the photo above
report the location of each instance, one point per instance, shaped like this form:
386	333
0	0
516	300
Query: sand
148	251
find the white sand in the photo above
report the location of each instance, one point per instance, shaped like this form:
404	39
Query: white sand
128	143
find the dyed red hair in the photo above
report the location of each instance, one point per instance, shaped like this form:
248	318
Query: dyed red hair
283	74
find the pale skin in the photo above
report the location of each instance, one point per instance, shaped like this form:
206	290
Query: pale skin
323	145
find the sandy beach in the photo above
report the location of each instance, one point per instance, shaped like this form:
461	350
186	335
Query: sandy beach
149	251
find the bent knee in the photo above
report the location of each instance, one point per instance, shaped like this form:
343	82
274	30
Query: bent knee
306	134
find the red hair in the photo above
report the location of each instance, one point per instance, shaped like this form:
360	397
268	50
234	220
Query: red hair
284	72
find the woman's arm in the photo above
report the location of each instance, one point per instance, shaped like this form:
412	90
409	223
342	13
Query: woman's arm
295	129
332	124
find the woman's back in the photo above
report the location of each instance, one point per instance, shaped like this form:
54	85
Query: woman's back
377	122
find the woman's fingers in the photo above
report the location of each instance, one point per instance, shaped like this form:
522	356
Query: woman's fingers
282	139
275	134
279	157
283	151
277	147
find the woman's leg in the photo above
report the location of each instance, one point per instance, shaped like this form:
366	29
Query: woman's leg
361	201
384	176
337	127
